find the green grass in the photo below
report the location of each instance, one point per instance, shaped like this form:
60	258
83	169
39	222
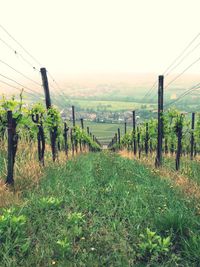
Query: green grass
96	211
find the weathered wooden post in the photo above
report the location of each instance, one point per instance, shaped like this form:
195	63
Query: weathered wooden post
192	137
53	132
82	125
46	87
125	127
134	133
80	143
10	164
119	137
146	145
74	124
73	116
158	161
65	135
72	141
138	142
179	133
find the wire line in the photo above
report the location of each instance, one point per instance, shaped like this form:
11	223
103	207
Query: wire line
182	72
12	80
3	62
16	53
182	59
182	53
10	85
195	87
25	50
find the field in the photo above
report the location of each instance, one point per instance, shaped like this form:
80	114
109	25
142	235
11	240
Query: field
105	131
101	210
107	105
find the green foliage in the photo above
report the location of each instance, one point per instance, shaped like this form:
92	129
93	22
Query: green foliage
127	139
28	118
81	136
64	247
50	203
153	246
174	122
14	241
38	108
53	118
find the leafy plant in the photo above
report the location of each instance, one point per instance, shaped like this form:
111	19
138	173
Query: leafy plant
153	246
75	221
50	202
63	246
13	237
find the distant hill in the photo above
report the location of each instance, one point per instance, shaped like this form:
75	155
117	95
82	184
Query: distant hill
113	86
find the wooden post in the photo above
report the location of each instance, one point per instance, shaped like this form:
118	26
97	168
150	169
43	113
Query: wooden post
166	145
192	137
138	141
10	164
125	127
158	161
179	133
73	116
134	137
72	141
146	145
119	137
82	125
46	87
65	134
74	124
53	132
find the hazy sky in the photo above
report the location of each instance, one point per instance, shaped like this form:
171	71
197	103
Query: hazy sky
85	36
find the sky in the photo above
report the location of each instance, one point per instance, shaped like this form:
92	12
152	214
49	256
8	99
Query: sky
99	36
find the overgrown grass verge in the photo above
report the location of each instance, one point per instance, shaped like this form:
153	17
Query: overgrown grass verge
101	210
190	168
187	178
27	170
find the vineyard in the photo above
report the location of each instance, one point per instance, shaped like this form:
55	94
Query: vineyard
75	201
181	137
128	195
117	207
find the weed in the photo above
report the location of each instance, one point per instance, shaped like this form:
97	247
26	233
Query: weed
50	203
153	246
14	241
63	246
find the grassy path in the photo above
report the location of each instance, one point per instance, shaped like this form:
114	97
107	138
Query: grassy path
101	210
